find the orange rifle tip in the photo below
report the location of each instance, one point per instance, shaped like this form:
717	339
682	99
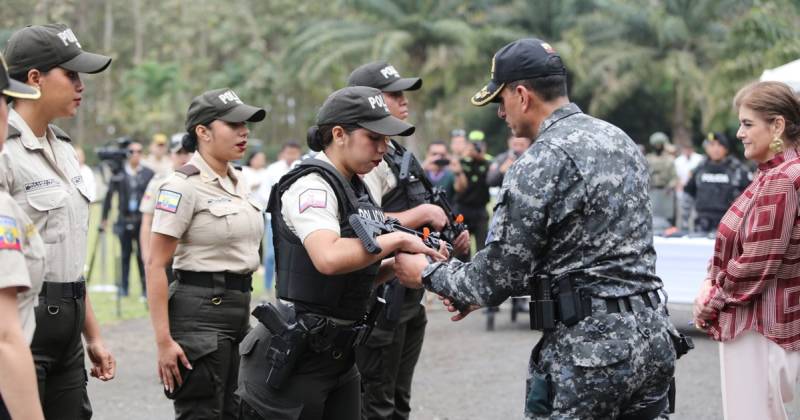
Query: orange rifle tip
460	218
425	233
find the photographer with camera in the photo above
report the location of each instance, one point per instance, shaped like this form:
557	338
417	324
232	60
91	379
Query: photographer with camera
129	183
472	192
497	170
437	168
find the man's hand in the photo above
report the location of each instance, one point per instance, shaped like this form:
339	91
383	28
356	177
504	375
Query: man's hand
461	243
450	308
103	363
434	216
408	269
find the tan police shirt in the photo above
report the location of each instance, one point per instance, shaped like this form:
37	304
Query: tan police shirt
148	204
310	205
21	259
51	191
380	180
219	226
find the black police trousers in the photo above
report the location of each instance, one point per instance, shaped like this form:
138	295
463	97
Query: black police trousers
387	361
58	358
208	323
320	387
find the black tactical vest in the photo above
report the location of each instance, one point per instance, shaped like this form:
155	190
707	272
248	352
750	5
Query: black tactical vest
345	296
413	187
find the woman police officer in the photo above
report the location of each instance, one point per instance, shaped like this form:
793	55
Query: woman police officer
203	216
42	173
322	268
22	258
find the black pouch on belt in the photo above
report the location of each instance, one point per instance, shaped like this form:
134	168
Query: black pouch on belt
539	400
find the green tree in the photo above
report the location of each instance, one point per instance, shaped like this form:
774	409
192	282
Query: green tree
669	47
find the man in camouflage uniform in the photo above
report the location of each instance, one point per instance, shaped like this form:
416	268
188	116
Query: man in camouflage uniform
572	228
663	180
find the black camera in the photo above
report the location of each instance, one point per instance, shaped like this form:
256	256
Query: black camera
442	162
114	153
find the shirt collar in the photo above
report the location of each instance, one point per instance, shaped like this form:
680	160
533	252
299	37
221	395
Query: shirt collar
207	173
557	115
788	154
27	138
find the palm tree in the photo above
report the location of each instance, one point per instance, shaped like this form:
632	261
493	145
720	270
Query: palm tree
669	46
447	42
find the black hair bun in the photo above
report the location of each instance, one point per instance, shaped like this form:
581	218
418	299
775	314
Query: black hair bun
189	143
314	139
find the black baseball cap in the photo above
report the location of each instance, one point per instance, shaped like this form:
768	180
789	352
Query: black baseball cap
13	88
526	58
362	106
43	47
221	104
382	76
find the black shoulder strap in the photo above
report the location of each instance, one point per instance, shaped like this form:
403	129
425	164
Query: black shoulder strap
400	164
188	170
13	132
60	134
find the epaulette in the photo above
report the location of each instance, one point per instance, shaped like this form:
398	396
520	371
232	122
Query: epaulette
60	134
188	170
13	132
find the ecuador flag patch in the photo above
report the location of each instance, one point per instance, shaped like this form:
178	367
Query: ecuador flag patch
9	234
168	201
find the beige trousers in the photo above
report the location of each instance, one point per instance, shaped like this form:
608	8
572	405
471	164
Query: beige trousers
758	377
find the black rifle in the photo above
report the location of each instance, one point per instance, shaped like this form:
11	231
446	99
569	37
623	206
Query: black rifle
455	222
367	229
289	342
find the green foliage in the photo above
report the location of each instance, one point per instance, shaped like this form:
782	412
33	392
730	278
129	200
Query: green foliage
646	65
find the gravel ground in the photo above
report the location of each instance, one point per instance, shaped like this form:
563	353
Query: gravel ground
464	373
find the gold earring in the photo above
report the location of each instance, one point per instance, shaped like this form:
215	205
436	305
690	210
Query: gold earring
776	145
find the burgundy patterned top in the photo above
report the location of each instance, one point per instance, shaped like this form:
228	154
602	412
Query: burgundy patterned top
755	270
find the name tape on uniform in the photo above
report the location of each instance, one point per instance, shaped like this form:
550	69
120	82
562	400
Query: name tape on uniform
313	198
168	201
9	234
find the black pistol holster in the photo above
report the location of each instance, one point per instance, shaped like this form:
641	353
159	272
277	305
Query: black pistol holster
289	341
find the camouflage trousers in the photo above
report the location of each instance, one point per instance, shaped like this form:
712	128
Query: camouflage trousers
607	366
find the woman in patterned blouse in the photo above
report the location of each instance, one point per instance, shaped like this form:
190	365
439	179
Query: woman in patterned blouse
750	299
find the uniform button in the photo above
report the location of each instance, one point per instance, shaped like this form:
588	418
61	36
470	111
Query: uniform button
601	328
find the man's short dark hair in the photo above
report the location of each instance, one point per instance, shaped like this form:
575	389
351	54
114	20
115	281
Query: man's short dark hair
547	88
290	145
437	143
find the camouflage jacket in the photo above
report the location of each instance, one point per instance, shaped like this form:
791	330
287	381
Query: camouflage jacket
575	204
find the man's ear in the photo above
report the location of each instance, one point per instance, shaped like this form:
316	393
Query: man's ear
34	77
526	97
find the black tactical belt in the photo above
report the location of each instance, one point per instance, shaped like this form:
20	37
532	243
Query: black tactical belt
623	304
73	290
233	281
